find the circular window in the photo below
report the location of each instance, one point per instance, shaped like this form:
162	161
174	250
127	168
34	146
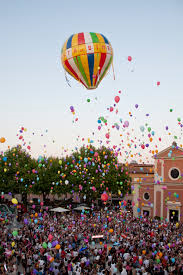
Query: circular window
146	196
174	173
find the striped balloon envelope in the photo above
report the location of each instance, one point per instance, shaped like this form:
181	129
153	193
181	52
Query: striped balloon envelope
87	57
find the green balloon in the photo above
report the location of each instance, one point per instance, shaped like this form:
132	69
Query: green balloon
44	245
15	233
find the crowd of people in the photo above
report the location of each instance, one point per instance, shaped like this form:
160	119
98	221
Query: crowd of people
97	242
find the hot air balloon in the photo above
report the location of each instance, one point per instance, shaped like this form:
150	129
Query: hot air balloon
87	57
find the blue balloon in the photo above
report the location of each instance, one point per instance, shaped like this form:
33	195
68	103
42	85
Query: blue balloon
142	128
138	210
85	160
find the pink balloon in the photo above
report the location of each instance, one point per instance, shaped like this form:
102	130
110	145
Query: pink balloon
104	197
126	123
129	58
50	237
107	135
117	99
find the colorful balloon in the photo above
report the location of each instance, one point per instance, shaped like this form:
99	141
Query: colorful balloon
87	57
107	136
2	140
126	123
14	201
117	99
104	197
142	128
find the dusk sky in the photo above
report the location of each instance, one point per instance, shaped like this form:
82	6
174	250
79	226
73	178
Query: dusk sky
35	94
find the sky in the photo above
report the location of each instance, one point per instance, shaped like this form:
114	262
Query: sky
36	96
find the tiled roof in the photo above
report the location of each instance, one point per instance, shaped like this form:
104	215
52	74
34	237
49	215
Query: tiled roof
141	168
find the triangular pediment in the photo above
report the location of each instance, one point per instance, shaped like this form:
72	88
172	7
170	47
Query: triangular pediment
171	152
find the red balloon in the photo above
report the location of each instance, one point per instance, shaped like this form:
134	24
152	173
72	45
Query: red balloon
158	83
111	109
117	99
104	197
129	58
107	135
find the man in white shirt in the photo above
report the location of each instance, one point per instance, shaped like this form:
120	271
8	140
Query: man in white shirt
123	272
146	263
126	256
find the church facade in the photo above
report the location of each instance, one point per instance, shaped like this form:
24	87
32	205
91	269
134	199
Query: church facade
161	194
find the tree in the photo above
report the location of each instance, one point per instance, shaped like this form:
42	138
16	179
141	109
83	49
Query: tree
50	174
93	171
88	172
15	171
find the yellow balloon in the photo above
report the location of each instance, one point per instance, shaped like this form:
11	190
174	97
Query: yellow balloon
13	244
14	201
